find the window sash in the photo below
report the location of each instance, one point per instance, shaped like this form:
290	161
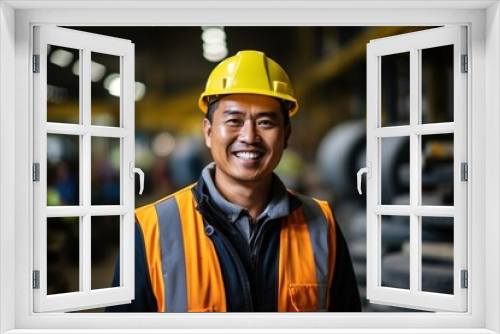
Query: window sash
86	297
413	43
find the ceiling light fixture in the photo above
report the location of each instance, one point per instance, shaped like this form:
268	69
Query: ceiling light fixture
97	71
214	43
61	58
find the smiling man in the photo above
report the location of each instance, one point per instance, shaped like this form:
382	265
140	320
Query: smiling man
246	135
238	240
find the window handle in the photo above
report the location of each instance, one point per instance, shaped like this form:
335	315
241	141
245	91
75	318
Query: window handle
141	175
368	171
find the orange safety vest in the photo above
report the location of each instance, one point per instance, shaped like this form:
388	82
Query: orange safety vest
185	271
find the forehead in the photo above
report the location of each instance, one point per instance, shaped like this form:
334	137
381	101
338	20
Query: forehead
248	103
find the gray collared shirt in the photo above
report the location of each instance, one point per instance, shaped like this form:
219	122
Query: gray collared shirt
277	207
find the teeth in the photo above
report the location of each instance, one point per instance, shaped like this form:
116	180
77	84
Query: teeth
248	155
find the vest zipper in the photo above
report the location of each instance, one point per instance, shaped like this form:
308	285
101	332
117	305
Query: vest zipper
206	209
241	268
256	261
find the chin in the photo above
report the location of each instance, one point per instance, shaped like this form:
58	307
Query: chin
246	177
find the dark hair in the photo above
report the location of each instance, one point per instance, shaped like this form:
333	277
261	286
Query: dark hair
212	105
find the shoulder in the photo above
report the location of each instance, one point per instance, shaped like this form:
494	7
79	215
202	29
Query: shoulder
312	206
304	200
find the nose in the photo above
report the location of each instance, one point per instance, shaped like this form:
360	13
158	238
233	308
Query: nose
249	134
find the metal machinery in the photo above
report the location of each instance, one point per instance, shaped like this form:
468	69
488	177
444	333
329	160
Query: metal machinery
341	153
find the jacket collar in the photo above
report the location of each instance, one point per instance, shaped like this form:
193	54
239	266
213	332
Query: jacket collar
282	203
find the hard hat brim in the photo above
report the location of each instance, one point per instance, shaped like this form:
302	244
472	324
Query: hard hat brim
203	100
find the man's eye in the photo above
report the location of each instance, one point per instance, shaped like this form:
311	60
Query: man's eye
267	123
233	122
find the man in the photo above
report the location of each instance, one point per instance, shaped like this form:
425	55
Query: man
238	240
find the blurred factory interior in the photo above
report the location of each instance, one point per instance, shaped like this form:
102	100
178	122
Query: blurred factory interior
327	148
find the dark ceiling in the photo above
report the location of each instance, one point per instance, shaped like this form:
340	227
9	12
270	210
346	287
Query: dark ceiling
169	60
327	66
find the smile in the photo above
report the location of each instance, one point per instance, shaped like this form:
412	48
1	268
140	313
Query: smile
248	155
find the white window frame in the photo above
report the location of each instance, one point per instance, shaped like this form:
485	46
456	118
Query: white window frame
413	44
123	50
483	21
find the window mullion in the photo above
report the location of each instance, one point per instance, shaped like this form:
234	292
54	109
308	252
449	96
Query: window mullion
434	128
414	168
85	166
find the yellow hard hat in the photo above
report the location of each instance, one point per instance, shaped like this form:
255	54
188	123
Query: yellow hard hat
249	72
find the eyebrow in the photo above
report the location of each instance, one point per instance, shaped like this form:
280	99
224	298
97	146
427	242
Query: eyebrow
270	114
231	112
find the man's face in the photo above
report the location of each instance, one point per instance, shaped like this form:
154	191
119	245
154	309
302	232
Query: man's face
247	137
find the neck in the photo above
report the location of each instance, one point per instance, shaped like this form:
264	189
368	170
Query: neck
253	196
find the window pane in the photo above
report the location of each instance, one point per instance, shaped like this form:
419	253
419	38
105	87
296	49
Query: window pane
395	251
106	86
63	85
437	84
395	94
63	255
395	170
437	254
105	171
63	170
105	232
437	170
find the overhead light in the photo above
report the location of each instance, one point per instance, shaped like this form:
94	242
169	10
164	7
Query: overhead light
214	52
214	43
140	90
109	79
76	68
214	57
61	58
214	48
114	87
213	35
113	84
97	71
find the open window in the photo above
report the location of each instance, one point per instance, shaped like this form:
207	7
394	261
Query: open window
17	18
414	130
425	139
102	159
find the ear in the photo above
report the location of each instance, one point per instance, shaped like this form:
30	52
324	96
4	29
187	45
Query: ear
288	132
207	132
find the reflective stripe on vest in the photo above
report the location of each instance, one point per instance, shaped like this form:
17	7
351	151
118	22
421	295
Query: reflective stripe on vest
183	265
205	286
307	258
148	220
185	270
